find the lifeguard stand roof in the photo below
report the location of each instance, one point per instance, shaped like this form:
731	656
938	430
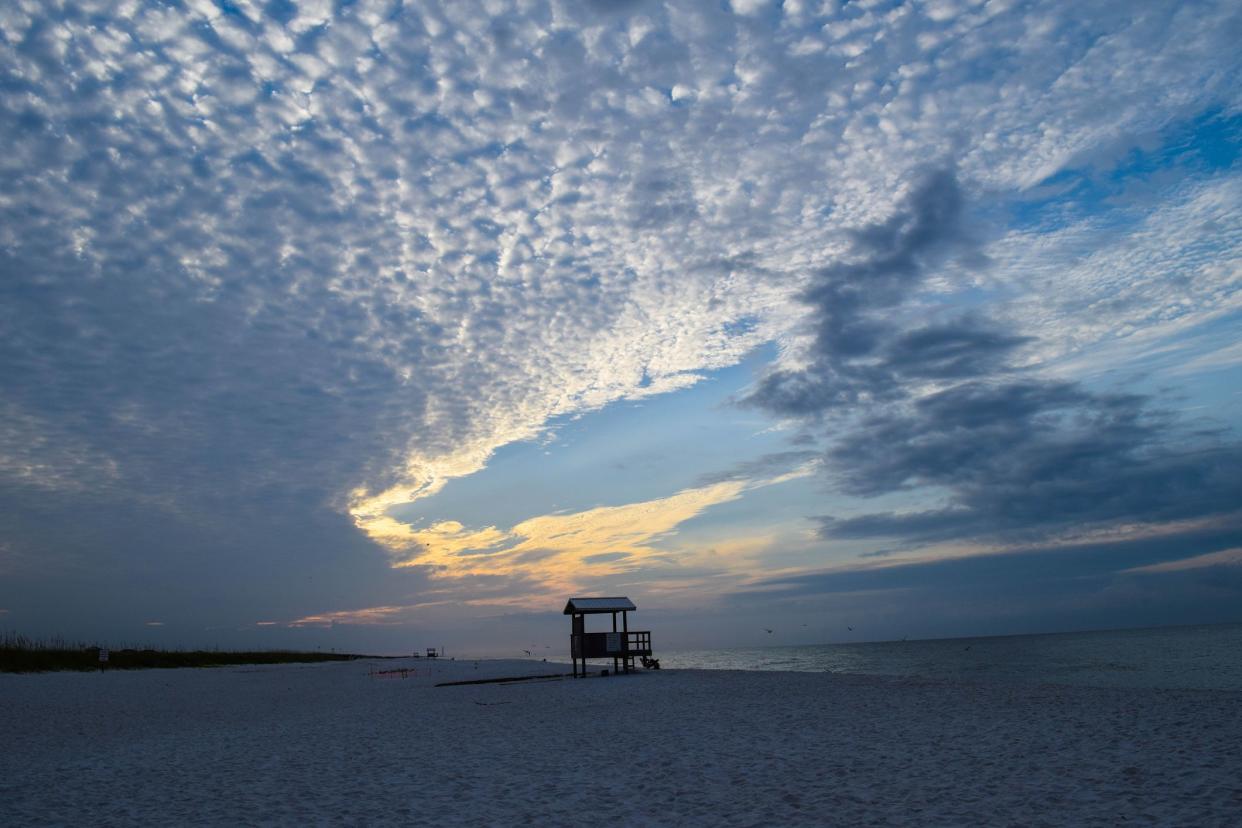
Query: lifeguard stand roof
589	605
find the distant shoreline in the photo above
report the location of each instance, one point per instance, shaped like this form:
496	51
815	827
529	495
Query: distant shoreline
39	659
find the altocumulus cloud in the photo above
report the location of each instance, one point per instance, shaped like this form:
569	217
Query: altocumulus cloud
268	270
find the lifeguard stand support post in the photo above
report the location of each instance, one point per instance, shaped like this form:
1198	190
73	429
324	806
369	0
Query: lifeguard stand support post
620	645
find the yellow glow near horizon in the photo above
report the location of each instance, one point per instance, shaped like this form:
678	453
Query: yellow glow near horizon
369	615
546	556
559	549
539	561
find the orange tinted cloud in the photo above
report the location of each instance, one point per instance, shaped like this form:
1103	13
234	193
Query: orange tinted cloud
369	615
559	548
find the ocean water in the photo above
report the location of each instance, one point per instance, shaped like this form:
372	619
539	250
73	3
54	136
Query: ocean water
1204	657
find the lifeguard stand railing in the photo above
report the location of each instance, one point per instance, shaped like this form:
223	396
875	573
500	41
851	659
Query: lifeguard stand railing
638	643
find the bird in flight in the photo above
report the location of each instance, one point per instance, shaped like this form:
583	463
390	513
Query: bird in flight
848	627
769	631
526	651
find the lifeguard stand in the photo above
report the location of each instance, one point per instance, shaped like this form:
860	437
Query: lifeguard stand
620	645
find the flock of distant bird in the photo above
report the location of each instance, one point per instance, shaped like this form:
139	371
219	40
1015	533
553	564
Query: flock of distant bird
847	627
766	629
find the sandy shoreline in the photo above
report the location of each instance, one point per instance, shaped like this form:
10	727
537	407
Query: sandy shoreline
330	743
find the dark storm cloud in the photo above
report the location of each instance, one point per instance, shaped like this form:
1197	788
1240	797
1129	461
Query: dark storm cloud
859	353
1009	452
969	347
1031	456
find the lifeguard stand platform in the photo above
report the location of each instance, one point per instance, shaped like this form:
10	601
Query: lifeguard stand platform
620	645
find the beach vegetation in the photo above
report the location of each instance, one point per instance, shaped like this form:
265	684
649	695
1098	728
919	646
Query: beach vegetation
23	654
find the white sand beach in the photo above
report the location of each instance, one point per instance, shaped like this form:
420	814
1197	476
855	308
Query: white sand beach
332	744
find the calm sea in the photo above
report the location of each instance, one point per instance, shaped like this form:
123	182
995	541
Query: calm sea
1208	657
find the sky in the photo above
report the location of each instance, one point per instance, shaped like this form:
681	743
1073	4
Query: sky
380	325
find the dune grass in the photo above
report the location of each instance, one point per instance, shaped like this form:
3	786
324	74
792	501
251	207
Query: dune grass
20	654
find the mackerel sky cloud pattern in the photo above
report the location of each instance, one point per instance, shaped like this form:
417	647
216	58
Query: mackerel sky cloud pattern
271	272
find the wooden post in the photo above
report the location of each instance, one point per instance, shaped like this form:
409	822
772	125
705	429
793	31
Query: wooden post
625	634
614	629
575	641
